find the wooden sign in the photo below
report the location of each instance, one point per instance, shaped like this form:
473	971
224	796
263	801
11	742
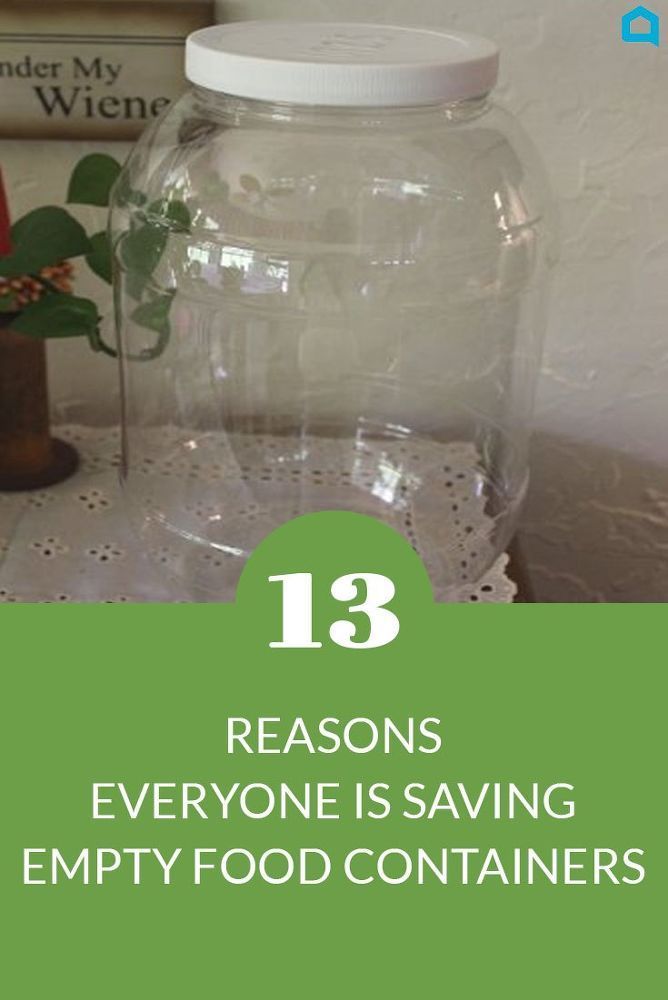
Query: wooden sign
83	69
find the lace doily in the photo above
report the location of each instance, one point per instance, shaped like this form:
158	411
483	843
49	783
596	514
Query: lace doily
73	542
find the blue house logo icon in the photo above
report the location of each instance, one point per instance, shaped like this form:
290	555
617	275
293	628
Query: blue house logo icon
641	25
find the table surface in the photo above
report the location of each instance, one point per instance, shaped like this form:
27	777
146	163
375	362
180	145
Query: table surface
73	542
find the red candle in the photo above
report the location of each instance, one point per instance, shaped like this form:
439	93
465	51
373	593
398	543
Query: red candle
5	235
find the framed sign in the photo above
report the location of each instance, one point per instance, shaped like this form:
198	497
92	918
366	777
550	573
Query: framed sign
72	69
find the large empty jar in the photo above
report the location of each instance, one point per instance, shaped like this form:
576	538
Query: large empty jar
330	263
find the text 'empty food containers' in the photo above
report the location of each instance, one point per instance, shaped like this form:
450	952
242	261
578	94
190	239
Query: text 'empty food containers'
330	270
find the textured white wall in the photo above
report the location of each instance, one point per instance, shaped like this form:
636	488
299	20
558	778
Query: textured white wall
597	524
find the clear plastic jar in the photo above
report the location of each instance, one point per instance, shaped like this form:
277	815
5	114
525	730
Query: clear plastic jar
331	302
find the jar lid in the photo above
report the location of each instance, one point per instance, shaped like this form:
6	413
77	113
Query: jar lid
341	64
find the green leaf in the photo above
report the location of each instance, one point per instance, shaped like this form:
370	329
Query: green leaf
99	259
42	237
142	248
173	214
154	315
8	304
127	195
58	315
97	344
92	180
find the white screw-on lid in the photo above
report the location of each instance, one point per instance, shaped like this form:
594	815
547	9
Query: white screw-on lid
340	64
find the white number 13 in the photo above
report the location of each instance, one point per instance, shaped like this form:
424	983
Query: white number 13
298	611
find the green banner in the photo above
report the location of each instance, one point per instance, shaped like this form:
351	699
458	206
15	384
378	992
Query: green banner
333	787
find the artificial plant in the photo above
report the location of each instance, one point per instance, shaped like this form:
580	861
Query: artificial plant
36	254
37	303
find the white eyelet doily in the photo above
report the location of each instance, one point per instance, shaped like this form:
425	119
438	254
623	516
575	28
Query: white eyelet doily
73	542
